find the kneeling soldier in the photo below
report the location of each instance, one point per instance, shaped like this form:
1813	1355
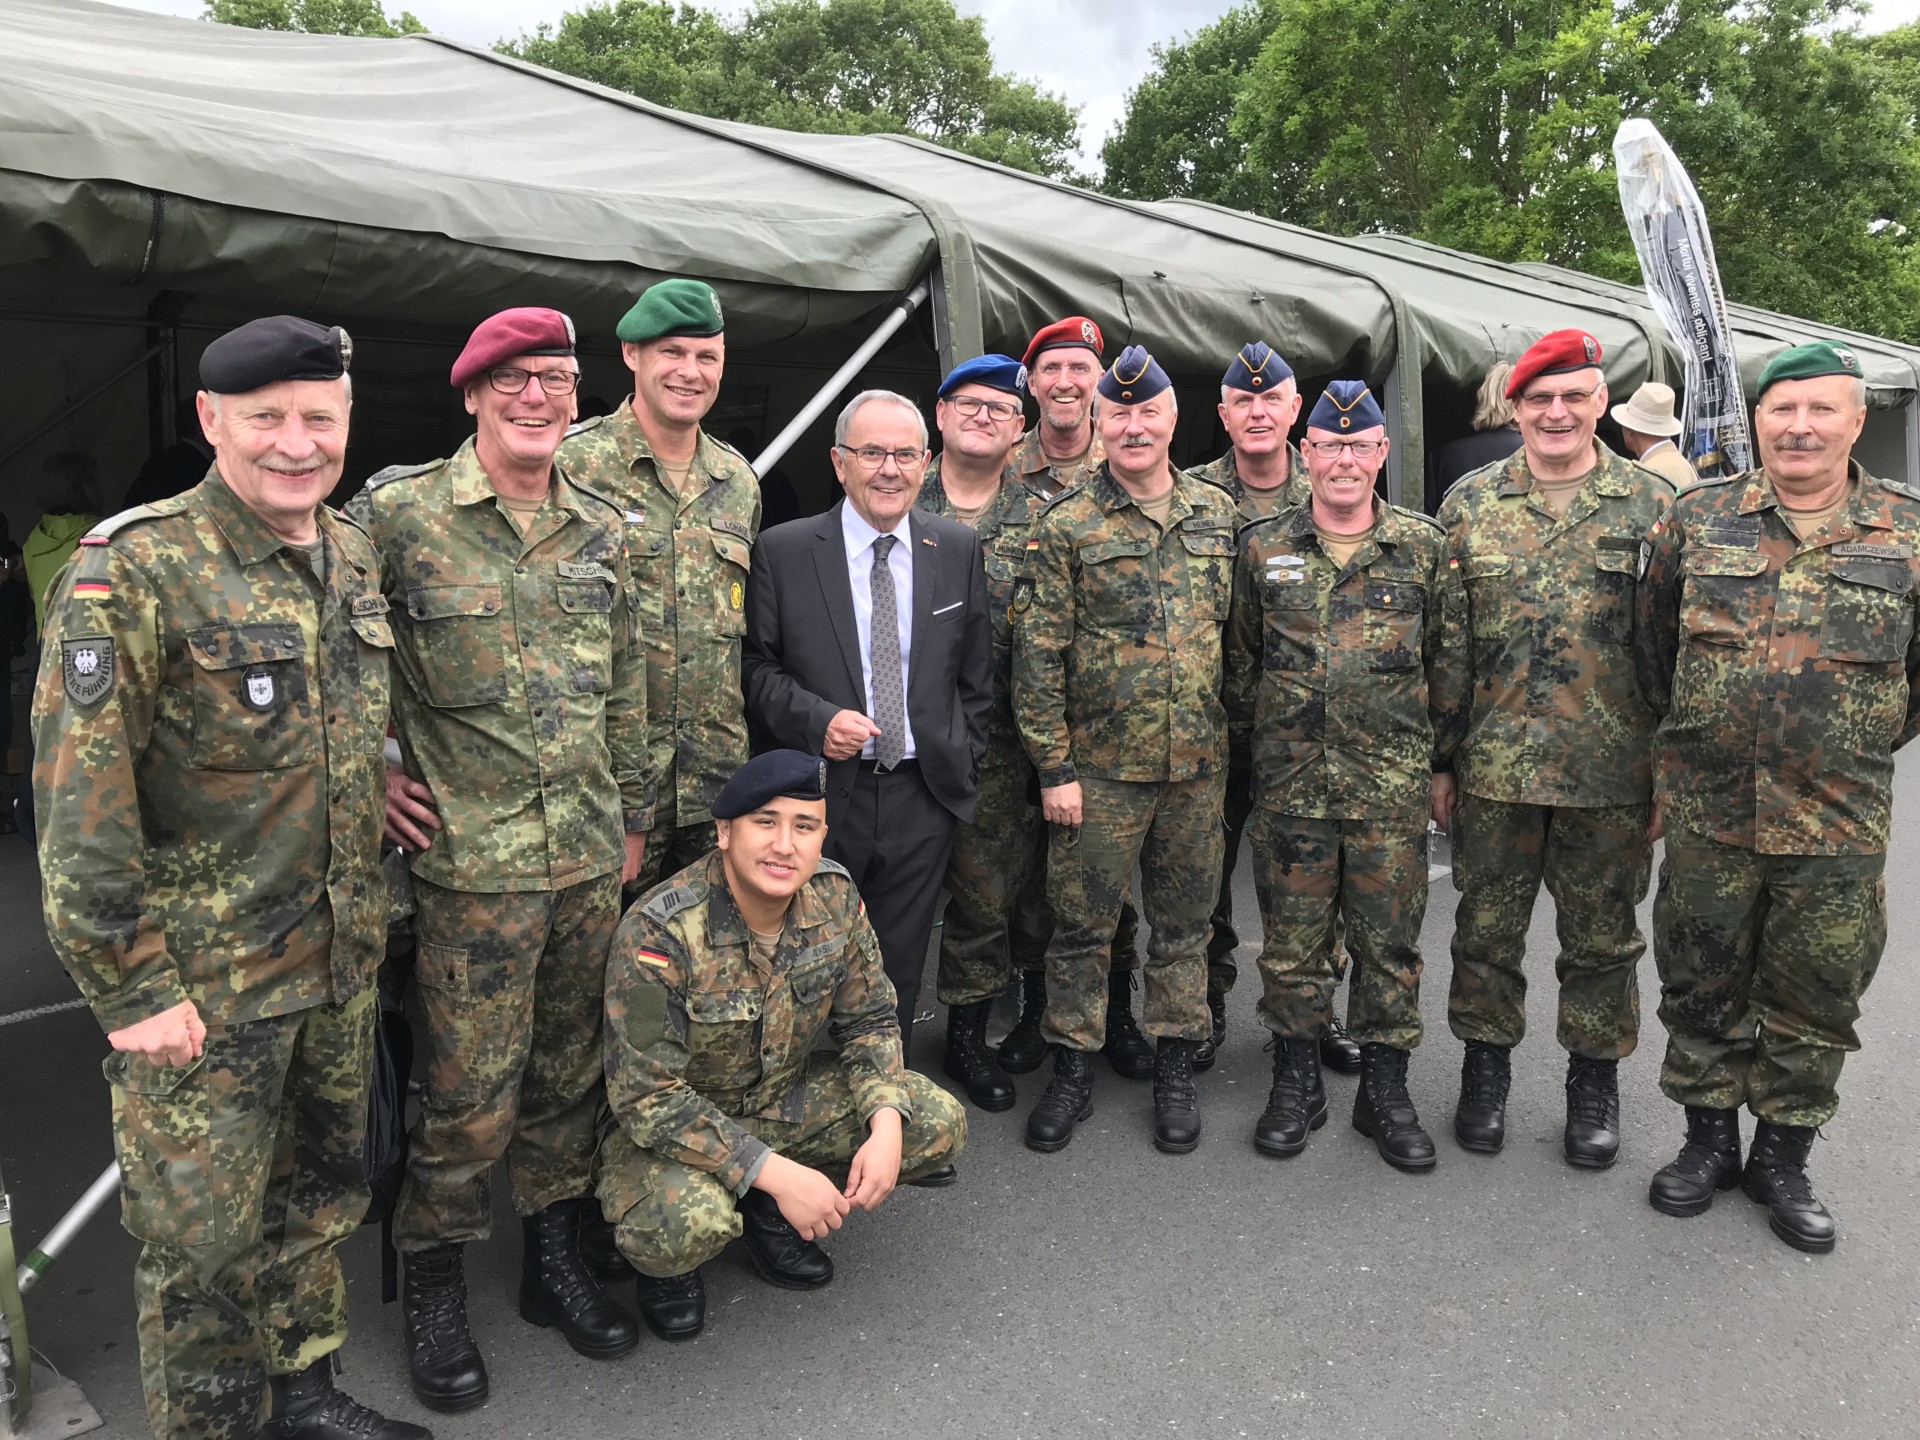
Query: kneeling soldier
1339	608
723	983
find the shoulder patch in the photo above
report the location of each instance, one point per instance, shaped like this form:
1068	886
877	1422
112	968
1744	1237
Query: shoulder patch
1419	515
581	427
1900	487
87	667
833	867
402	472
113	524
1065	492
618	509
1705	482
670	902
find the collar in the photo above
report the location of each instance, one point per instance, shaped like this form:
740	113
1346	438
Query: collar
859	535
246	533
1608	476
1866	505
470	485
1112	496
709	455
727	926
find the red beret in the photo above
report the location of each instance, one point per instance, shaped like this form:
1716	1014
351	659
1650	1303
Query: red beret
1554	354
528	330
1074	331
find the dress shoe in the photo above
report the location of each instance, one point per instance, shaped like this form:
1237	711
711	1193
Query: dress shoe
1208	1049
674	1306
777	1251
599	1250
1025	1047
1176	1103
1776	1177
1068	1100
1480	1119
935	1179
1709	1161
1127	1050
1592	1139
557	1289
443	1363
307	1407
970	1062
1384	1111
1297	1103
1338	1052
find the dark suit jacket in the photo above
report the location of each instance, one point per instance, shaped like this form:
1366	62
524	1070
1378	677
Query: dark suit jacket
800	662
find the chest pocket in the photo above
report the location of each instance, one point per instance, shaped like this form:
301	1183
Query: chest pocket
251	708
458	652
1723	596
373	633
734	561
1869	610
1489	581
723	1038
1616	567
1393	625
1118	590
652	580
1209	571
1293	631
813	991
586	593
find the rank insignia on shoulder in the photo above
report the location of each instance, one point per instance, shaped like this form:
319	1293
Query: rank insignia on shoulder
88	668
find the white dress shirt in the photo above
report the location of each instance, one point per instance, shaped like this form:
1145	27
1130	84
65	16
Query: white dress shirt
859	537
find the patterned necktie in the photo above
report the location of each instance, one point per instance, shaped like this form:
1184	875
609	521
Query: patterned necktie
883	654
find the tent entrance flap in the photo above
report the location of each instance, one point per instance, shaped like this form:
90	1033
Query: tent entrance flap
825	396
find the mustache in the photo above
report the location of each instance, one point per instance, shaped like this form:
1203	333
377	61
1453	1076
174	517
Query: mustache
1809	443
291	470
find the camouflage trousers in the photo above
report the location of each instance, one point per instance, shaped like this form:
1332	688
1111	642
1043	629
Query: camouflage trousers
670	1218
1222	970
997	918
1171	829
1318	880
1763	960
1596	864
510	990
670	849
240	1174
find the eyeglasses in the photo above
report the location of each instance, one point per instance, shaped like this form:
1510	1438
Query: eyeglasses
511	380
873	457
1330	449
971	405
1541	401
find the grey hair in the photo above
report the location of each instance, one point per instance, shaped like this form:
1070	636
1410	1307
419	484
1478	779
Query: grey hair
71	483
868	397
1859	393
1286	387
1491	408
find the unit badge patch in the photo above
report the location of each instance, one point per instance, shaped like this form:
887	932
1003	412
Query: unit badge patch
258	689
88	667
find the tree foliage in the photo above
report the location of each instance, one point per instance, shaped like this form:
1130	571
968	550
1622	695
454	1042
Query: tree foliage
915	67
314	17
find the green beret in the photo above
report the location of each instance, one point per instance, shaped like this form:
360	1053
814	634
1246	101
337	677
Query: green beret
1810	362
673	307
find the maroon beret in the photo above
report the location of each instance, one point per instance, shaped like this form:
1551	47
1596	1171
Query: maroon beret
1554	354
528	330
1074	331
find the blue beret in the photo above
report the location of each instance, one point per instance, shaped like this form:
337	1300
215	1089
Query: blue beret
1344	407
1136	377
265	352
1258	367
1001	372
791	773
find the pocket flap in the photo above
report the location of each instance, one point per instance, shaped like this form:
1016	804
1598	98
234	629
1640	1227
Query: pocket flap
1207	542
1892	575
1480	567
140	1076
1386	595
227	647
721	1007
444	602
586	597
1725	562
734	552
810	985
1619	562
374	630
1114	550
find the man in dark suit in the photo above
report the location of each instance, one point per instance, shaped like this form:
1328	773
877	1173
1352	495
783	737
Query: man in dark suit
868	642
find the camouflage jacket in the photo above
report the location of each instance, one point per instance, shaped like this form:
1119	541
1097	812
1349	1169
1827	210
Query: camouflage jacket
1785	670
689	561
1540	705
1328	666
701	1041
1029	463
522	703
1003	531
1116	667
208	778
1225	472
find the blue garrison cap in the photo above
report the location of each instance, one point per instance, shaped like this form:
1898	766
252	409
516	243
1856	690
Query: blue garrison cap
790	773
1136	377
1258	367
1344	407
1002	372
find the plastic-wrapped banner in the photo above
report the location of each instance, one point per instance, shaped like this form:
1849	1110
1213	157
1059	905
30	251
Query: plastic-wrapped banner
1669	228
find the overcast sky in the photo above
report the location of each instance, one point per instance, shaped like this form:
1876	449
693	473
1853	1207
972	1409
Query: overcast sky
1091	51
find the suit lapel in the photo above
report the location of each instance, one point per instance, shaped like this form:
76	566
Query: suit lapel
926	562
830	563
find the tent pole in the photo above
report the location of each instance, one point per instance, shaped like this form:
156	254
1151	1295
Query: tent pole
830	391
88	398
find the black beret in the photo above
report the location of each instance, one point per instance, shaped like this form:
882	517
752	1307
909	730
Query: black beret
265	352
790	773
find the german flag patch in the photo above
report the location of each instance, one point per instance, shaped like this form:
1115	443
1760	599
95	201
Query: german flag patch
92	589
653	958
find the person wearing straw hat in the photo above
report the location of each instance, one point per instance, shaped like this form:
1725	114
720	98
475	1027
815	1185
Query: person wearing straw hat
1647	429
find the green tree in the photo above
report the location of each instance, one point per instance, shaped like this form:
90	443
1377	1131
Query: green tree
915	67
314	17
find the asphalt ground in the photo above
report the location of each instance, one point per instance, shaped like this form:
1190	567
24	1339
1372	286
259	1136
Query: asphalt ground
1112	1290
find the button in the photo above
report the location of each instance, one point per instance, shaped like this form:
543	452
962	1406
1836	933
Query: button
333	719
538	713
519	569
524	642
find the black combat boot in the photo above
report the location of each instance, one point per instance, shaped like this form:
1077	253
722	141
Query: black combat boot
1383	1110
1209	1049
1297	1103
442	1361
1338	1052
1127	1050
598	1249
1592	1139
557	1289
1480	1119
307	1407
776	1249
970	1062
1709	1161
674	1306
1776	1177
1068	1100
1176	1104
1025	1047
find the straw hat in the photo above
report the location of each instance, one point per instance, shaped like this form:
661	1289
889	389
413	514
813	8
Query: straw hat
1650	411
